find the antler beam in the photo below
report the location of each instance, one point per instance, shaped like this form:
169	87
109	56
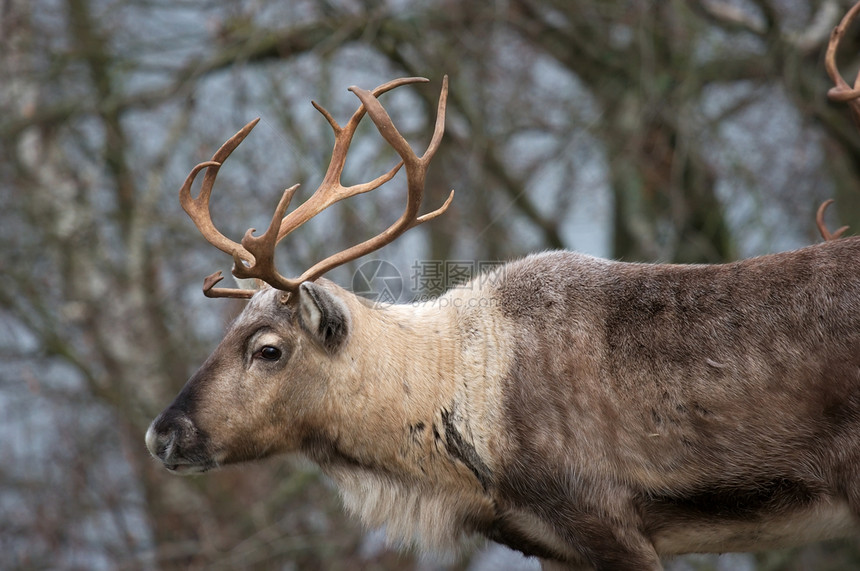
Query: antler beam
255	256
843	92
822	227
416	170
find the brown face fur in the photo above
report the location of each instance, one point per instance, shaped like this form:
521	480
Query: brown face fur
584	411
252	398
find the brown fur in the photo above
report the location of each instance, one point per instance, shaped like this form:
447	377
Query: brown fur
592	413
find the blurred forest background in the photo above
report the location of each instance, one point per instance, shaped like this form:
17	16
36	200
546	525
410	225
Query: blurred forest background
672	130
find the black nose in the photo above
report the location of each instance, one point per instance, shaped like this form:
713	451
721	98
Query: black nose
162	434
160	442
175	440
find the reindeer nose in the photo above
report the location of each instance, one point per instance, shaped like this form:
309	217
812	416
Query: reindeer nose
166	432
160	438
159	443
174	439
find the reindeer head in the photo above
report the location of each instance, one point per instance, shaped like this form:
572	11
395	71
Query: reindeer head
263	387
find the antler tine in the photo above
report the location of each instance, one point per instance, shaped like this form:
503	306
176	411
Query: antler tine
822	227
209	289
843	92
263	250
198	208
331	190
416	169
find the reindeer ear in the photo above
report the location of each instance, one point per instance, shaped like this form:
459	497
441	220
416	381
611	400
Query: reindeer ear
324	315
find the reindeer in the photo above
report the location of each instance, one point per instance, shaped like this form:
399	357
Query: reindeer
592	413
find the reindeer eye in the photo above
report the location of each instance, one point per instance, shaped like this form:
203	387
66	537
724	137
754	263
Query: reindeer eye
269	353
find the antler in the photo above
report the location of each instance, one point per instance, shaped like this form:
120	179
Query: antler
255	256
822	227
843	92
